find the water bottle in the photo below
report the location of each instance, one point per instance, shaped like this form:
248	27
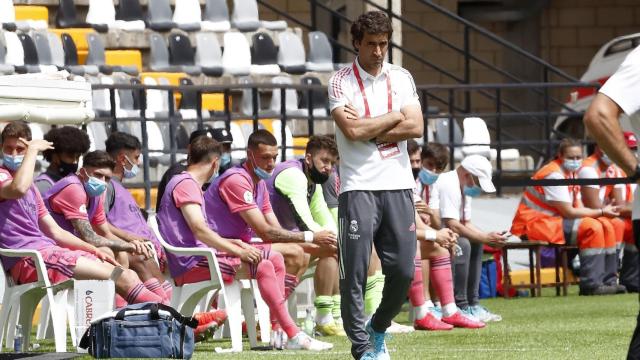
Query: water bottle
309	323
17	340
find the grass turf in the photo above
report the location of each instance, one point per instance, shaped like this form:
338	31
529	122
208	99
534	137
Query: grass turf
550	327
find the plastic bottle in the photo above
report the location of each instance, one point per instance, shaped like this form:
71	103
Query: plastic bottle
17	340
309	323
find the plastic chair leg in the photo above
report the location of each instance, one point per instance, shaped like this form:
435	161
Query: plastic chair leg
246	299
264	318
43	325
58	304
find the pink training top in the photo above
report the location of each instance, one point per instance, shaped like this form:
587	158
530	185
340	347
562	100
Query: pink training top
19	228
72	202
234	192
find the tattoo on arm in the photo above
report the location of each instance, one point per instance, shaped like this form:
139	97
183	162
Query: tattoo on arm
86	233
281	235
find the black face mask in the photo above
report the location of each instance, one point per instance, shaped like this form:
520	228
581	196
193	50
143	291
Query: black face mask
65	169
415	173
316	176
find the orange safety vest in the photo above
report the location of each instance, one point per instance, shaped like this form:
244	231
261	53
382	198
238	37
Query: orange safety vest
607	172
534	206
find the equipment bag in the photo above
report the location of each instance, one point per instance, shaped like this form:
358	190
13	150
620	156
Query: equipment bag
488	279
146	330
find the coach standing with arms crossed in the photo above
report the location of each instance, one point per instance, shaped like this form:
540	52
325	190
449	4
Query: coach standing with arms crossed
620	94
376	108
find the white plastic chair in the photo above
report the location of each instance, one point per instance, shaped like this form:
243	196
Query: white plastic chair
15	52
24	299
216	16
236	58
187	15
476	132
103	12
186	297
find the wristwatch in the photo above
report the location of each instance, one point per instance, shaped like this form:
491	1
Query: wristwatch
636	174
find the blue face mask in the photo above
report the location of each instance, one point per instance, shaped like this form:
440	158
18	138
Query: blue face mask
133	172
95	186
260	173
472	191
427	177
225	159
572	165
12	162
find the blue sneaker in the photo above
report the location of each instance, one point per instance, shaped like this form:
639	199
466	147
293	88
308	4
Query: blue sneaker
369	355
377	340
436	311
483	314
468	313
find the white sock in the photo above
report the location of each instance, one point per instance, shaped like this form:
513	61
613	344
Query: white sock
324	319
421	311
449	309
429	304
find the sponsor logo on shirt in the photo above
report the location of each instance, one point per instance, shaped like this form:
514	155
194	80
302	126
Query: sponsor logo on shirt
248	197
3	177
83	208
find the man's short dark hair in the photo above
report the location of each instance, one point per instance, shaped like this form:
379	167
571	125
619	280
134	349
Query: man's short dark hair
412	146
121	141
372	22
203	149
438	152
98	159
66	140
261	137
16	129
321	142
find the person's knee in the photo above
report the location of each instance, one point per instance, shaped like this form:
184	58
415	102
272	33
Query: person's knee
590	234
127	279
277	260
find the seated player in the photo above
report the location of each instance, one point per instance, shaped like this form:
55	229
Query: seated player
295	193
455	190
77	204
183	223
554	214
69	143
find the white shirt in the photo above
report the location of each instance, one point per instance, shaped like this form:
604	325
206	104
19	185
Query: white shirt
589	172
434	197
557	193
450	197
362	166
623	88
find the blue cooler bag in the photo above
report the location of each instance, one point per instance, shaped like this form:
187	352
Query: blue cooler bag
488	280
146	330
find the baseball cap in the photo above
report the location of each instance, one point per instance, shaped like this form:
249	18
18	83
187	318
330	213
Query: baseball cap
222	136
481	167
630	139
197	133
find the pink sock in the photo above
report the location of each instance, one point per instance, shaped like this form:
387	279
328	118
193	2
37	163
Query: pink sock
441	278
416	291
168	291
269	289
139	294
155	287
290	283
120	302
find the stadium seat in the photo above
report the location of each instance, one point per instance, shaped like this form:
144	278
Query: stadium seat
245	17
264	55
57	52
15	52
208	54
96	56
5	68
442	135
31	17
71	56
291	100
320	100
216	16
236	58
159	54
246	104
181	54
7	15
131	59
31	60
187	15
129	10
23	300
102	17
66	17
320	53
476	132
291	54
160	15
43	49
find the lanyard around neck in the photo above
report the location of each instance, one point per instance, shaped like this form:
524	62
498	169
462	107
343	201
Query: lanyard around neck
367	112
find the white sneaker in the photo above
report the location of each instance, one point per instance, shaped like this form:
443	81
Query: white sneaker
303	341
396	328
483	314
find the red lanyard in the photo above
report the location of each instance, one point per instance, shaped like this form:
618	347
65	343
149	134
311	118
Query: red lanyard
464	205
367	112
425	191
